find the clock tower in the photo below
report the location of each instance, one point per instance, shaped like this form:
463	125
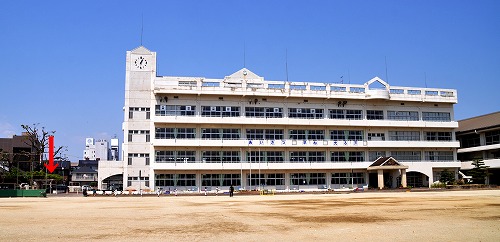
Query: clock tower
137	128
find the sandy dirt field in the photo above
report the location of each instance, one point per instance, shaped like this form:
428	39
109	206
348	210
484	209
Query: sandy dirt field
368	216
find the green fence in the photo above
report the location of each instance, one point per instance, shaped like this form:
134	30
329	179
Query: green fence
23	193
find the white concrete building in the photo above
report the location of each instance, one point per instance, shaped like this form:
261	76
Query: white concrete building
242	130
96	149
480	140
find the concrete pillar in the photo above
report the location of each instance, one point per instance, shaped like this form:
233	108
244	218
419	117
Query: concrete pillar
380	175
403	177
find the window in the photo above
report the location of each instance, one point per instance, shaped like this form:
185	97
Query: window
336	114
256	156
492	137
438	136
297	134
436	116
274	134
298	156
230	134
210	134
348	178
306	113
137	156
275	156
404	135
274	179
260	112
164	133
255	112
255	134
231	156
346	135
347	156
170	156
175	133
439	156
374	114
220	156
174	110
402	115
138	134
373	155
131	111
376	136
470	140
315	134
316	156
407	155
175	180
186	133
220	111
302	179
213	180
211	157
307	156
353	114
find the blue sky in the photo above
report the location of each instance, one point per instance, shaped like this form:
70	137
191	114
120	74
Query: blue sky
63	62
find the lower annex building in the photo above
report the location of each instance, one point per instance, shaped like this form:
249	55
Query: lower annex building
192	133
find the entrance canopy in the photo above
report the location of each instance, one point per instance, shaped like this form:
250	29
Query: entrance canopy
386	163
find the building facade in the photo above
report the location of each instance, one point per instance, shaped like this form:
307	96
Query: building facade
100	149
480	140
188	133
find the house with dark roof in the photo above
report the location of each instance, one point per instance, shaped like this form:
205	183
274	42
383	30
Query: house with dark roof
85	173
480	140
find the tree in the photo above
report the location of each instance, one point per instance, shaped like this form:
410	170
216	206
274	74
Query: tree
447	177
479	172
38	140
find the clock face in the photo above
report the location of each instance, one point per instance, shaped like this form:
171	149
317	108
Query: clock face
141	62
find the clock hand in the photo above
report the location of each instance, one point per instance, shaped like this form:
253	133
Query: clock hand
141	61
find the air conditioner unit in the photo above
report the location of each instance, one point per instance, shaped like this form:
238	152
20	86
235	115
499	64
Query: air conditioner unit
228	109
163	107
213	109
188	108
299	110
276	110
313	110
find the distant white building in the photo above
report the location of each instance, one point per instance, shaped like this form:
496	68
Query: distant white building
100	149
189	133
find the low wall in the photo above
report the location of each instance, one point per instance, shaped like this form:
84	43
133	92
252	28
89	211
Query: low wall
23	193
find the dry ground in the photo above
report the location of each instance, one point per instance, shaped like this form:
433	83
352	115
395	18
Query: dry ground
369	216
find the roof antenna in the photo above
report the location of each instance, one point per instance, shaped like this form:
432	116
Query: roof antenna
386	77
349	75
425	79
142	26
286	63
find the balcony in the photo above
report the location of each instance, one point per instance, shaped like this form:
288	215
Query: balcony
298	121
301	143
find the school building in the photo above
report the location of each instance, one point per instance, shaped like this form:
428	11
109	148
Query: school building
188	133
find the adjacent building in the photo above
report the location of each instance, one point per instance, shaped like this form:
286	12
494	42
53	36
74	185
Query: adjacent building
192	133
480	140
100	149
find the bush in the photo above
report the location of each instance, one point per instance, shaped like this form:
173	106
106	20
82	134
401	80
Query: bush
438	185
